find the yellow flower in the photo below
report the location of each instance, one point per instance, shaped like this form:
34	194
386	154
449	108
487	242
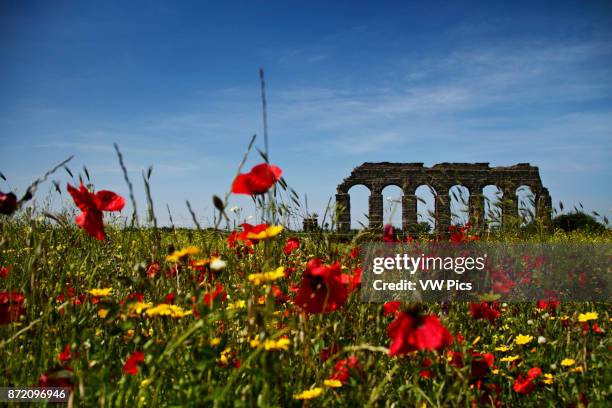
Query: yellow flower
523	339
271	231
280	344
102	313
145	382
578	369
568	362
138	307
509	359
548	379
225	354
239	304
308	394
585	317
167	310
264	277
332	383
254	343
128	335
101	292
177	255
503	348
215	342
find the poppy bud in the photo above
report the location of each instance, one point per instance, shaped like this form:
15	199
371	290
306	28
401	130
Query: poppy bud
218	203
8	203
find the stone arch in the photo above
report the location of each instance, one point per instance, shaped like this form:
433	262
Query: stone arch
348	185
526	199
493	212
426	204
392	204
459	204
474	176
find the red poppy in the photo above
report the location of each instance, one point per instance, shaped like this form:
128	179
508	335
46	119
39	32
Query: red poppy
461	234
8	203
501	282
425	374
231	239
409	332
526	385
481	364
289	270
72	295
65	355
549	305
321	289
4	272
153	269
354	253
12	306
292	244
391	307
258	180
131	365
217	294
250	229
279	296
485	310
132	297
352	281
92	205
455	358
389	233
344	368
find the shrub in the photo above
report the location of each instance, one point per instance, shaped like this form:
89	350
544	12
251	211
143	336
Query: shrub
577	221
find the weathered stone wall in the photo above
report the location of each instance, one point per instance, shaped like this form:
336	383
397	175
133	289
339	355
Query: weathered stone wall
440	177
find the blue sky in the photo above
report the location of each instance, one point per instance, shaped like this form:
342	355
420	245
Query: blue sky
176	85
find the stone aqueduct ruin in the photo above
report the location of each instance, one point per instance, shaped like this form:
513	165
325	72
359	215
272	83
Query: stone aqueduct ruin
441	178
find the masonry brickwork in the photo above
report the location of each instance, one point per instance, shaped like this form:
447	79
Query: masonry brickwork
440	178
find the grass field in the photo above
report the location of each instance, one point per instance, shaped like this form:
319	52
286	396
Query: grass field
179	317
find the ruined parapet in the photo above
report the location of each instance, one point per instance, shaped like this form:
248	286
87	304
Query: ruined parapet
440	178
310	224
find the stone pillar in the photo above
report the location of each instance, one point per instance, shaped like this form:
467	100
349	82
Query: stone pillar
543	208
476	207
409	211
509	205
443	211
343	212
375	209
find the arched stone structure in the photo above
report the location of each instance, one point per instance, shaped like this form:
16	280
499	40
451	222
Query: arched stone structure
441	177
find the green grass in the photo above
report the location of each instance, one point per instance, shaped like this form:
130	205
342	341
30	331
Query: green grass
183	367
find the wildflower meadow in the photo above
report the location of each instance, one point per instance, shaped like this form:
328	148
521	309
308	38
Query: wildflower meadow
260	315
